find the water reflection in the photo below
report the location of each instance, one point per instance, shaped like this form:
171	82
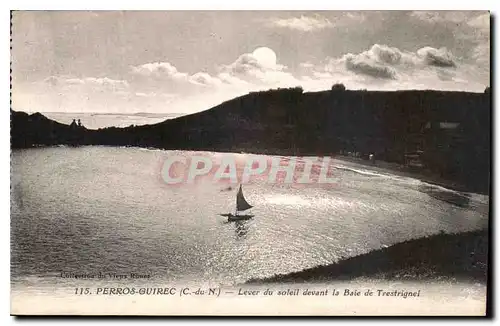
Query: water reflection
17	195
241	229
178	232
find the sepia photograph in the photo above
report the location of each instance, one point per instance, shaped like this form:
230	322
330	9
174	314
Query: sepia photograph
250	163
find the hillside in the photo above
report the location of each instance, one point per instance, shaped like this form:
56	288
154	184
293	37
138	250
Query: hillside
457	257
289	121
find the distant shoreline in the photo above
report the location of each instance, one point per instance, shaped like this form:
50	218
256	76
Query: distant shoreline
160	114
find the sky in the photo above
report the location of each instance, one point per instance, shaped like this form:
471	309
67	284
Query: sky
189	61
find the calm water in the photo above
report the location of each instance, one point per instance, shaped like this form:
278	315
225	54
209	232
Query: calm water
102	209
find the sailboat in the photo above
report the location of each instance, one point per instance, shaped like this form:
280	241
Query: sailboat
241	205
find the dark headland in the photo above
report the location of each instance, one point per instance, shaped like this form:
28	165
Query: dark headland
445	135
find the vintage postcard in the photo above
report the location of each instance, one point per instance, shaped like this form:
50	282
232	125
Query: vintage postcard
278	163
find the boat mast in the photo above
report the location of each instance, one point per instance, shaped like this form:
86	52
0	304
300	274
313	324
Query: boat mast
236	209
236	206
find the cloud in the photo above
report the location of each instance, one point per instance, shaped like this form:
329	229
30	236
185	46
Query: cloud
356	17
249	69
248	63
107	82
366	65
318	22
152	77
229	79
386	54
441	16
160	86
202	78
74	81
147	95
156	74
98	83
481	22
381	61
303	23
248	72
385	62
378	65
437	57
159	70
382	67
481	53
306	65
52	80
471	28
141	94
244	65
377	62
481	37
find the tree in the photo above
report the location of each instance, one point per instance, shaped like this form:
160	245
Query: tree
487	90
338	87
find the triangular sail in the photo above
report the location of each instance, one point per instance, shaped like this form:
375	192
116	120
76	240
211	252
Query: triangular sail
241	202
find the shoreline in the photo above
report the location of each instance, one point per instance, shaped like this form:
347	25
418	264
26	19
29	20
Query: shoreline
451	257
379	165
403	171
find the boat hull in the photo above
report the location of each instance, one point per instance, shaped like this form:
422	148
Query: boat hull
232	217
